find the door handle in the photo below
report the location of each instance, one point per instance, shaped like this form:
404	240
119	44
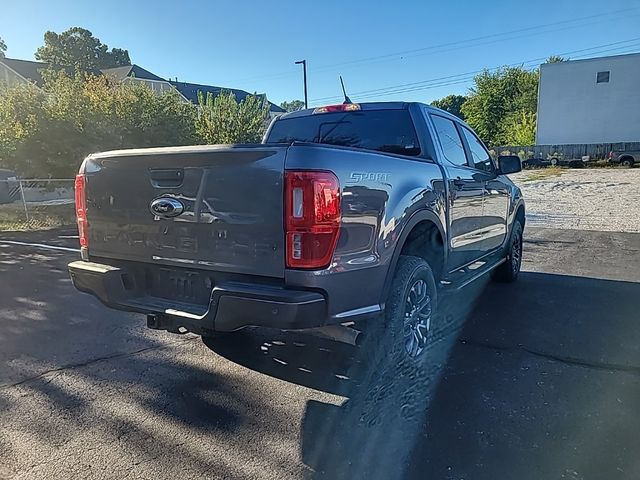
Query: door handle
166	177
458	183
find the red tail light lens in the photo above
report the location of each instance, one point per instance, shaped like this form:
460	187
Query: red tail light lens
81	210
342	107
312	218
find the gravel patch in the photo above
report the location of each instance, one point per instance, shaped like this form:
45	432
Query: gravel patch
588	199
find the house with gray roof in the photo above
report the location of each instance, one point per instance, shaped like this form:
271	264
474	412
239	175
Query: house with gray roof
13	71
191	90
137	74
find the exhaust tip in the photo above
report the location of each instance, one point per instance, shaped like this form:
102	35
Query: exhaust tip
339	333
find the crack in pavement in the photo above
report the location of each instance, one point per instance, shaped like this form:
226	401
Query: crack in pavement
71	366
573	361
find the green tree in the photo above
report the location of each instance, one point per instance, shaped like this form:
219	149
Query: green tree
49	131
3	48
222	119
78	48
452	104
293	105
555	59
495	97
520	129
21	114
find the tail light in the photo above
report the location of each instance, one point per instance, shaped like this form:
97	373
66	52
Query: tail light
343	107
312	218
81	210
610	155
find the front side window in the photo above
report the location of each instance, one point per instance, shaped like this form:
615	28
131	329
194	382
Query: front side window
480	158
450	140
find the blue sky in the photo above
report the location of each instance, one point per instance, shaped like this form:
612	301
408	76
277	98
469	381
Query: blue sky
391	50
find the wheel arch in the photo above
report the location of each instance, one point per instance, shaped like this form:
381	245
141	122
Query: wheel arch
424	220
520	214
517	212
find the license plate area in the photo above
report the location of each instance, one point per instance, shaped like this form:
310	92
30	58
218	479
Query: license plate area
178	284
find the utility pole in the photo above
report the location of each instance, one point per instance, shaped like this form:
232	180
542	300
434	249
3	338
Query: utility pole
304	72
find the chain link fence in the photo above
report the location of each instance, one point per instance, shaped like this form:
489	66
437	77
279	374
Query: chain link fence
36	204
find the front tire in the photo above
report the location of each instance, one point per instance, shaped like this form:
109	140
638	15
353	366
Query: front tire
510	269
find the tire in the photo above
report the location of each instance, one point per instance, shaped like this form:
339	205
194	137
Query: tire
402	355
627	162
413	278
509	270
384	337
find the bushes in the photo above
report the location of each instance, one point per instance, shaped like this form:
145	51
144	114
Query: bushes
222	119
519	128
47	132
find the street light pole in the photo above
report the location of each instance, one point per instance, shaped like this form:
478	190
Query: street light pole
304	72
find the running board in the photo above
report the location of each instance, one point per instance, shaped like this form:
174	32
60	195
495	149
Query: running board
468	276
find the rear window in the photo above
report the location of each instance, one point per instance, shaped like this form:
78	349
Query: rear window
383	130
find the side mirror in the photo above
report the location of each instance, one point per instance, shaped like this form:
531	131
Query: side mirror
509	164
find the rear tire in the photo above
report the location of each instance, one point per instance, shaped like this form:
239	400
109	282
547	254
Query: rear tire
510	269
627	162
384	337
402	357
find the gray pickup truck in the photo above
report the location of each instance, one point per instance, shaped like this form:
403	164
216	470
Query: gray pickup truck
624	157
351	214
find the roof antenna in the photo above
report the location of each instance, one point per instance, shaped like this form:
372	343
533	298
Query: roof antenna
344	92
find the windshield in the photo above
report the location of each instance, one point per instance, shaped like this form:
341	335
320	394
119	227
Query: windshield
382	130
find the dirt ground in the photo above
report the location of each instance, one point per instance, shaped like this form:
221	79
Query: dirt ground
587	199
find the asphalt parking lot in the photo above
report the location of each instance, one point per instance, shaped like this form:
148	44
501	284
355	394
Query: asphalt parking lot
543	381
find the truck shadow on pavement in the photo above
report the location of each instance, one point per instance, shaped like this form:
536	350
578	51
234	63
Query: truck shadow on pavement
78	381
542	381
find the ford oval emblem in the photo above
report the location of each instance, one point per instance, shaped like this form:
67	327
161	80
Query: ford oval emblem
166	207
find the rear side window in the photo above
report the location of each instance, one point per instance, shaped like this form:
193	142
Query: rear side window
450	140
479	155
383	130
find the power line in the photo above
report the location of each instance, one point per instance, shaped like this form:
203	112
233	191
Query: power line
534	30
468	76
597	47
483	37
471	77
460	45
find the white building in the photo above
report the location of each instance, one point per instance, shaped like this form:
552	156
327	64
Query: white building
596	100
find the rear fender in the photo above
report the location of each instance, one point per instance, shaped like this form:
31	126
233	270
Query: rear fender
420	216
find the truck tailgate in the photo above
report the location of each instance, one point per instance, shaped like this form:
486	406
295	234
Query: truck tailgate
232	200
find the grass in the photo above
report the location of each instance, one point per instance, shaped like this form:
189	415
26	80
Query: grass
544	173
12	217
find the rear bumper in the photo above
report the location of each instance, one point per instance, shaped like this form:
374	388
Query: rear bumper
232	305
